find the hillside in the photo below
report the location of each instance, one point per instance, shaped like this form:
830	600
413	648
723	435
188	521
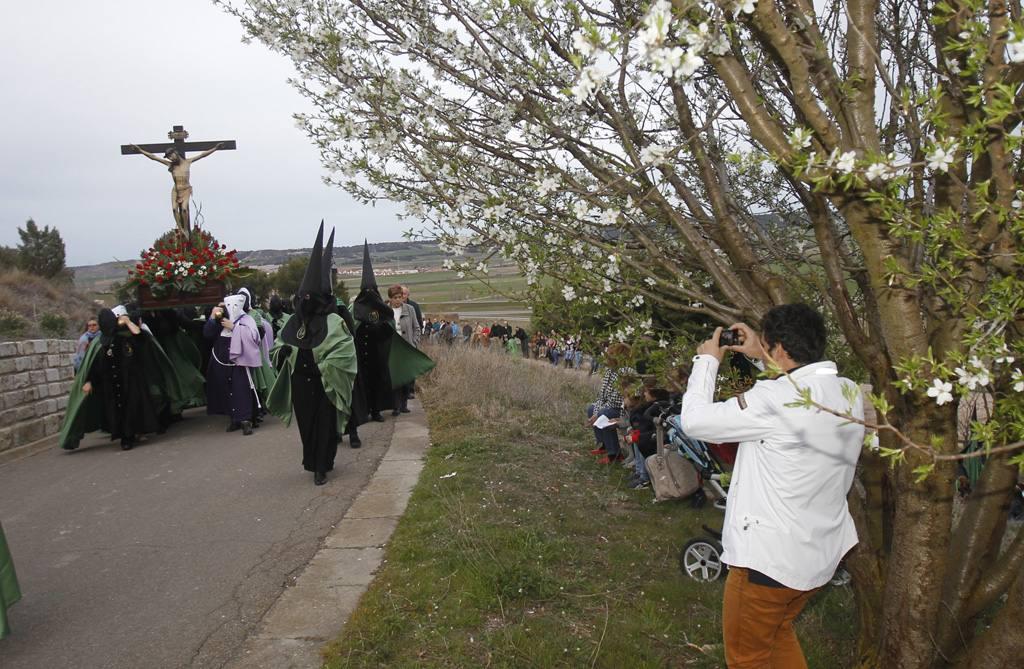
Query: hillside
35	307
393	256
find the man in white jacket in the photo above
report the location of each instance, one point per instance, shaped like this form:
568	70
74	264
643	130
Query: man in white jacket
787	524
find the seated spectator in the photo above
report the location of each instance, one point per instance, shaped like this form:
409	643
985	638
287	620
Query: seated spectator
643	411
609	404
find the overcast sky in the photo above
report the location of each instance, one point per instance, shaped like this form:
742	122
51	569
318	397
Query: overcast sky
81	78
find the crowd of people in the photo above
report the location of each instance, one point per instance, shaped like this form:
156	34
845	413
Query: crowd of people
329	366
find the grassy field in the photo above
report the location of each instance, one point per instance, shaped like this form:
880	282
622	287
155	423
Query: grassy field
443	292
532	555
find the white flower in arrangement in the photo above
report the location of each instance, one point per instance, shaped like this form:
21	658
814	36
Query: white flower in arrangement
942	391
1018	380
1015	49
846	162
569	293
653	154
940	159
547	185
800	138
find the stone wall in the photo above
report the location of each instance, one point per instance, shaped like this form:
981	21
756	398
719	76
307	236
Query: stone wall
35	378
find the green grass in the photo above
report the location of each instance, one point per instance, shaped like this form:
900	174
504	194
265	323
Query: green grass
534	556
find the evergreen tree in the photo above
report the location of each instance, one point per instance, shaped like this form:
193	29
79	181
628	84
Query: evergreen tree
41	250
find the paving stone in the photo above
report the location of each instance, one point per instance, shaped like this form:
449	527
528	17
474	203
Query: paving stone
398	468
379	506
311	611
361	532
380	485
343	566
268	653
406	450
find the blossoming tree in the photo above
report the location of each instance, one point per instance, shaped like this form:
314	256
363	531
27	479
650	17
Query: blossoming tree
718	157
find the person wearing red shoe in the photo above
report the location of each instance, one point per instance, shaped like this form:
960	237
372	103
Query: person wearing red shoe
609	404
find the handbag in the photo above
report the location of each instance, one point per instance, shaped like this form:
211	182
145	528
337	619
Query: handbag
672	475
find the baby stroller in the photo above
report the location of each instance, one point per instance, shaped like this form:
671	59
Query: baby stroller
701	557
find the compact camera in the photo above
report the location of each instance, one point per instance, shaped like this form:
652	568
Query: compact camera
729	338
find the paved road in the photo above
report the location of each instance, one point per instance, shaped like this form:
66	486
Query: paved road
167	555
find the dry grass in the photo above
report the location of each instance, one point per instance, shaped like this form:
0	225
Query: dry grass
38	301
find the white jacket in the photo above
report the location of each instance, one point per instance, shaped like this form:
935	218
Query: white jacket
786	516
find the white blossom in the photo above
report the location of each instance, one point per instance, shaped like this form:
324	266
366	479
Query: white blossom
609	217
582	44
800	138
942	391
547	185
1018	380
846	162
591	78
1004	357
1015	49
746	6
877	171
972	379
940	159
569	293
653	154
656	25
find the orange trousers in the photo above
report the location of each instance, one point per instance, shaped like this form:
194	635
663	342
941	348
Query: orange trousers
757	624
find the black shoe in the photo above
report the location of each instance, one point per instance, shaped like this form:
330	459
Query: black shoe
126	444
376	417
395	412
354	441
319	478
412	396
233	426
405	410
246	427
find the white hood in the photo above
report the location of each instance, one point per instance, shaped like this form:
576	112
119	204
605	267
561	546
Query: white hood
235	305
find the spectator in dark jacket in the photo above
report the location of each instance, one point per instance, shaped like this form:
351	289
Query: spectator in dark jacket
641	437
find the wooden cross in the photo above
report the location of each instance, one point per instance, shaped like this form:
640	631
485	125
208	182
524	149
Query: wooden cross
178	135
179	167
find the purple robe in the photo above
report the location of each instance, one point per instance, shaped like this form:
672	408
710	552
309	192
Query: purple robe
246	348
228	389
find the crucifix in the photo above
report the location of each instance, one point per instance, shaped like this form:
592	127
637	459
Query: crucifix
178	165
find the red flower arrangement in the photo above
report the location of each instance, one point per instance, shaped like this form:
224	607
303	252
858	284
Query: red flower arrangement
183	263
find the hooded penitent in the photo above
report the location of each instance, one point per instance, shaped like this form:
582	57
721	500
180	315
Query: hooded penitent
316	365
313	301
235	305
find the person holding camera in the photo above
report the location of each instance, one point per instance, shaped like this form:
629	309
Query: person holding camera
787	524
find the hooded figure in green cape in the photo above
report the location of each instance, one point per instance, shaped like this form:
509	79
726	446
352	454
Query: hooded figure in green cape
315	359
386	360
9	591
124	386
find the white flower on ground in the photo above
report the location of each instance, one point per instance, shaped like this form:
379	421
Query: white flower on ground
800	138
1015	49
846	162
942	391
1018	380
569	293
940	159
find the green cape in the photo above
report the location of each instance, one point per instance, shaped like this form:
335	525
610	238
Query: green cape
405	361
336	359
9	591
186	360
84	411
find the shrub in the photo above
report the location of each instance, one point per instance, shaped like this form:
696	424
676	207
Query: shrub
54	325
12	324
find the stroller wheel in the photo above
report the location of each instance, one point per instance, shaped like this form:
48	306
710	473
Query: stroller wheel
701	559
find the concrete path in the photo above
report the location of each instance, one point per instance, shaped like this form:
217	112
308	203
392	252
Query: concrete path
326	593
170	555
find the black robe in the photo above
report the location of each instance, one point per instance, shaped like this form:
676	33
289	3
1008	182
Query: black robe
118	376
228	392
373	350
315	416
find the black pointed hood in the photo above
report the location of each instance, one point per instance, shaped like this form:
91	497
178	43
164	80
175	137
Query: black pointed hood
326	279
307	328
369	306
311	281
368	280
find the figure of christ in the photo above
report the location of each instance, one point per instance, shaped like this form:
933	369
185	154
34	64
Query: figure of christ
181	192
